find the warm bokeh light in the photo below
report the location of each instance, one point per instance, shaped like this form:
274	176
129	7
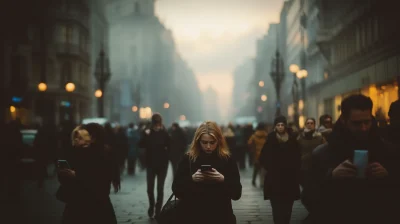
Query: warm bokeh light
98	93
264	98
261	83
135	109
42	87
70	87
293	68
301	121
12	109
301	104
145	113
166	105
302	74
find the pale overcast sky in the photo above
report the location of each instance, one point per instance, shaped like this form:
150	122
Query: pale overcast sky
215	36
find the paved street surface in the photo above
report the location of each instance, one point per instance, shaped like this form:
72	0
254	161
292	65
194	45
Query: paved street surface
41	207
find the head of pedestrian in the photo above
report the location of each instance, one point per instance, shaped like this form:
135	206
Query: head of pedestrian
156	122
309	125
280	124
394	113
208	140
326	121
357	116
80	137
175	126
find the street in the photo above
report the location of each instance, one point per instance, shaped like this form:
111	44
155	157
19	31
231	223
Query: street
41	206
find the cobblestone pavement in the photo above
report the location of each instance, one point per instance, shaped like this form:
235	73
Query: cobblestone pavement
40	205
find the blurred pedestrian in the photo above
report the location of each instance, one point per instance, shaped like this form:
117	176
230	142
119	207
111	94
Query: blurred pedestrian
281	158
133	136
85	185
178	145
256	142
156	143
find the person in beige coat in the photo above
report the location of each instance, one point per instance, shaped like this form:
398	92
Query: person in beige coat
256	143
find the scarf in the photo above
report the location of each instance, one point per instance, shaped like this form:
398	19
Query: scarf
282	138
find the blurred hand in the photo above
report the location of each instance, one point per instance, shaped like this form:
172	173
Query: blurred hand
376	170
214	175
65	175
345	170
198	176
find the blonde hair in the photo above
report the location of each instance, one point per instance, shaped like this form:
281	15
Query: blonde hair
80	133
211	128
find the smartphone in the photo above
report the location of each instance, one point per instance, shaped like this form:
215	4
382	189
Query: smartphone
205	168
63	164
360	160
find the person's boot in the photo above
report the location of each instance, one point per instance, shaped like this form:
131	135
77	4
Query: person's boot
150	211
158	208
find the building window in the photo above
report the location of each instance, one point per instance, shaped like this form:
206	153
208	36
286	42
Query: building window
66	34
50	71
66	74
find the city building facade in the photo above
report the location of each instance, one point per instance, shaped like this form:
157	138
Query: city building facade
359	39
50	47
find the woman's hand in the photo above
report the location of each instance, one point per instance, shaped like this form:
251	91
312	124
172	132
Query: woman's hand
214	175
65	175
198	176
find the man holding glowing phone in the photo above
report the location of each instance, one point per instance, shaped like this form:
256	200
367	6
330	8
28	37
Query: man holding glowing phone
352	173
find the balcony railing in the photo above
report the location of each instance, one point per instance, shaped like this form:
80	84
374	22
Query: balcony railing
72	49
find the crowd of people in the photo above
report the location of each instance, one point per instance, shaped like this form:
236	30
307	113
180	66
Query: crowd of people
316	164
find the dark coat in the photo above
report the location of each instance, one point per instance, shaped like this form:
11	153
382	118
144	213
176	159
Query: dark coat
88	200
282	162
178	145
157	148
352	200
207	202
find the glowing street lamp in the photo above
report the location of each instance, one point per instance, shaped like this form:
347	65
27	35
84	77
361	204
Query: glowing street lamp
70	87
264	98
261	83
166	105
98	93
42	87
135	109
293	68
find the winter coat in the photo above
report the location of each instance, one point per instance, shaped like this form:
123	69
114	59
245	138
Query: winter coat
178	145
157	148
207	202
133	140
282	161
88	200
352	200
257	141
308	142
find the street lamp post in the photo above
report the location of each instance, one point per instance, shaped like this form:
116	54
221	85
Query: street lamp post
102	75
277	75
294	69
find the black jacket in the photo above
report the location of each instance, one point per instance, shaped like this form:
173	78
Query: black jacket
352	200
157	146
282	162
207	202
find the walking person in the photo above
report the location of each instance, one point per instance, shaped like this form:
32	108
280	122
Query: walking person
85	185
308	140
133	136
156	143
343	191
178	145
207	179
256	142
281	157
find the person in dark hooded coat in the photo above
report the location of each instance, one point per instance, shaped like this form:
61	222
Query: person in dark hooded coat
86	185
281	158
339	194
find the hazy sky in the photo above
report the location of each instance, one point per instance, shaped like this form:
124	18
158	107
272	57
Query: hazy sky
215	36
